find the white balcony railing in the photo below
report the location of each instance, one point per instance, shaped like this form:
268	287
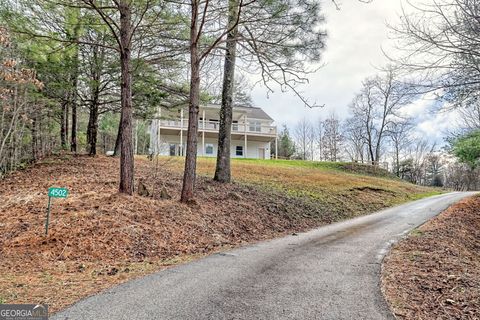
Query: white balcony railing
251	128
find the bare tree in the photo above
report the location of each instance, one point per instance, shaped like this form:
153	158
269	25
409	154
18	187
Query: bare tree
434	169
303	136
378	105
355	139
399	133
459	177
439	41
414	167
312	138
470	117
332	139
319	137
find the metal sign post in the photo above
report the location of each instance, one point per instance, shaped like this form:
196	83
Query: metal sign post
53	193
48	215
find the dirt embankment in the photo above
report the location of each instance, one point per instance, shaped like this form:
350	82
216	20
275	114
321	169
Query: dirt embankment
435	272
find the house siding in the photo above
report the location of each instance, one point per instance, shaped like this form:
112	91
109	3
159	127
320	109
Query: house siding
253	147
251	122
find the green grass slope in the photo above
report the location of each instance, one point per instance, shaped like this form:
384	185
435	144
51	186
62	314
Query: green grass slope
338	189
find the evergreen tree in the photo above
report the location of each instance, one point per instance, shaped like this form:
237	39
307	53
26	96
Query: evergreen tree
286	146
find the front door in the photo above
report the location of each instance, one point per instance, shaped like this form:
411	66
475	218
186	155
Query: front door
173	150
261	153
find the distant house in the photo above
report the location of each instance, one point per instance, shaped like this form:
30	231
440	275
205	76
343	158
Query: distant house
252	132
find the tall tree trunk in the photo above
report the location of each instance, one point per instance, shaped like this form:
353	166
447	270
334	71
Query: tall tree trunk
67	122
73	136
126	149
92	131
377	149
63	126
189	173
192	137
397	159
222	170
73	97
371	153
118	140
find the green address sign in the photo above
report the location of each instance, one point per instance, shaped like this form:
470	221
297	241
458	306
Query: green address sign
53	193
57	192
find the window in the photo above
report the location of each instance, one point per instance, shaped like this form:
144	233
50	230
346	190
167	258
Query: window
235	125
255	126
239	151
209	148
214	122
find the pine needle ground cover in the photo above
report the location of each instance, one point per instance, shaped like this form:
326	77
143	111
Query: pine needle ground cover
98	238
435	272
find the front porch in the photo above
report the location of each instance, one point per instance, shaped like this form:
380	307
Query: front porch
241	146
250	138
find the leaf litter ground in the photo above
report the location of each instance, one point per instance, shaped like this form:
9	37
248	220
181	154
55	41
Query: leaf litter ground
435	272
99	238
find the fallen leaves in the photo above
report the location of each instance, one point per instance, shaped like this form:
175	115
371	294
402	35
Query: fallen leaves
435	272
99	238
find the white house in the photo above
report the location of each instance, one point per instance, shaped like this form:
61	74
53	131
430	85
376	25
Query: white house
252	132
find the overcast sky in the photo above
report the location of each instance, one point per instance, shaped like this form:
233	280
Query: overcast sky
356	34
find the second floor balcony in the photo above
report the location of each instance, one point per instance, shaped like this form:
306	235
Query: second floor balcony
250	128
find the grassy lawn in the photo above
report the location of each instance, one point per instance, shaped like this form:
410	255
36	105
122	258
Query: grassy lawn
321	165
332	183
289	163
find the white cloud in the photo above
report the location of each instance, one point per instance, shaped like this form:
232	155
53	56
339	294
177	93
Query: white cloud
437	126
356	35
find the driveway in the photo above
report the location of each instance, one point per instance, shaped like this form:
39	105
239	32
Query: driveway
329	273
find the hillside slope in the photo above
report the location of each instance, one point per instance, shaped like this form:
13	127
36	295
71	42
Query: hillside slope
98	238
328	189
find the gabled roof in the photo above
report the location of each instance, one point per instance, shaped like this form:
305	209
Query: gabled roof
256	113
252	112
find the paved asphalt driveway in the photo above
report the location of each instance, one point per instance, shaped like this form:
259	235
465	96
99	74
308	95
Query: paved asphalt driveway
329	273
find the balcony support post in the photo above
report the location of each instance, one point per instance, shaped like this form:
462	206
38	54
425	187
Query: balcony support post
181	132
203	132
276	147
159	135
246	143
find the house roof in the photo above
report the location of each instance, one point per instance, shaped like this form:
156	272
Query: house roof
252	112
258	113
